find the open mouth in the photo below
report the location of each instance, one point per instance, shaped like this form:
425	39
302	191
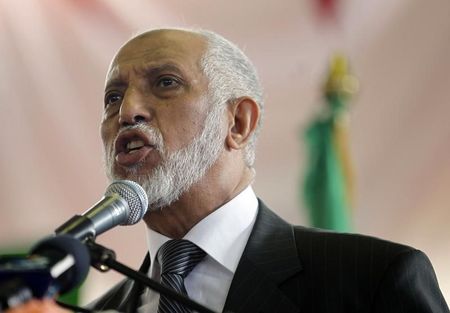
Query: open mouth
132	147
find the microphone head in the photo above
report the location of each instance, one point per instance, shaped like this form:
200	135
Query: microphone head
60	246
134	195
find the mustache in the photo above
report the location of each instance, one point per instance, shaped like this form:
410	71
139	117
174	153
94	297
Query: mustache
149	131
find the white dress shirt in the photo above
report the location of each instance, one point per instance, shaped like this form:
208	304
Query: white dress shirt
223	235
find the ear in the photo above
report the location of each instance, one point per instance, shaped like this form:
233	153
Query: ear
243	117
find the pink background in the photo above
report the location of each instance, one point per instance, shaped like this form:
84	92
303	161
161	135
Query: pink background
53	59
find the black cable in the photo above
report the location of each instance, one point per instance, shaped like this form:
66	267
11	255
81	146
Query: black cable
73	308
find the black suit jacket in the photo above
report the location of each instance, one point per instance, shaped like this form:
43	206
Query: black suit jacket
289	269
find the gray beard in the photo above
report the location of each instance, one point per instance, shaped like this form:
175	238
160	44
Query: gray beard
178	170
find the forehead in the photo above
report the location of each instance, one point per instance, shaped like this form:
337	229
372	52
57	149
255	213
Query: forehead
157	48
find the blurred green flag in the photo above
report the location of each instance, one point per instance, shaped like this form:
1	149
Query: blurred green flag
328	187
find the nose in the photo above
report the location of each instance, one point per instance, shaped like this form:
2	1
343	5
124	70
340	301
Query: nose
133	109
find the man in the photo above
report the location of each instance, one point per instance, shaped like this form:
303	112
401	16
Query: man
182	111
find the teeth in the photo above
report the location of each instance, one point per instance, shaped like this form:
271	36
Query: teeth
135	144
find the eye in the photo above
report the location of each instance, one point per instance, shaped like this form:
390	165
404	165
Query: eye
112	98
167	82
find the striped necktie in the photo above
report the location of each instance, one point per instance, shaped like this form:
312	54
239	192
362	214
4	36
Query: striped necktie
177	259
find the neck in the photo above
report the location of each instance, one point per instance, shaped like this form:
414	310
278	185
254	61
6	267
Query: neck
199	201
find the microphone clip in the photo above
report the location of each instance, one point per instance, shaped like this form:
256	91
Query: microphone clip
100	255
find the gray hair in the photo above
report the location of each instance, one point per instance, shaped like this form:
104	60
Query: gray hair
231	75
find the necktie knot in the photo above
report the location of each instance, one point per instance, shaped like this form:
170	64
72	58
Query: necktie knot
179	257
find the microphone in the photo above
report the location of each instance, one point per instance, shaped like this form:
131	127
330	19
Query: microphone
55	266
124	203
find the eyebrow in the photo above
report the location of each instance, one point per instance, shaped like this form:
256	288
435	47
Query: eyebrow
148	70
152	70
117	80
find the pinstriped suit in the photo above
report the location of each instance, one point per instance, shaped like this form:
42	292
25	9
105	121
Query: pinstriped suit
287	268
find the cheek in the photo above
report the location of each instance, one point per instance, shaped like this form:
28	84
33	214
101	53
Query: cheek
183	128
106	133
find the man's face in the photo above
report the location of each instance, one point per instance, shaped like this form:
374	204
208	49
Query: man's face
156	105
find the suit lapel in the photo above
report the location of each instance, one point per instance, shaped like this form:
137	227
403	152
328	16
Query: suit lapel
269	259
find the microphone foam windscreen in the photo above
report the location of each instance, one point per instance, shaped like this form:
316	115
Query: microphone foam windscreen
60	246
134	195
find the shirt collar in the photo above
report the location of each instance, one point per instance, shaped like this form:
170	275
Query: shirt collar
222	234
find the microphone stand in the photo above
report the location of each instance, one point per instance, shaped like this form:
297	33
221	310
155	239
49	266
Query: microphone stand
104	259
